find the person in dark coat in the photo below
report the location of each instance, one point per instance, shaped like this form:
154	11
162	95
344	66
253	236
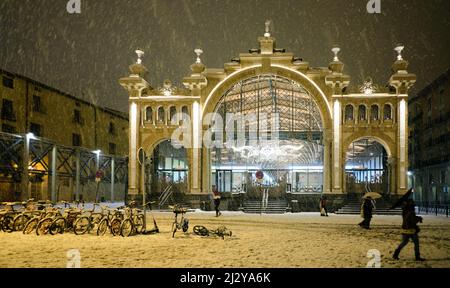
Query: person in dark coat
366	213
410	230
216	197
323	206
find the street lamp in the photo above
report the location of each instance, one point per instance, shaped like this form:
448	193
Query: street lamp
98	173
31	136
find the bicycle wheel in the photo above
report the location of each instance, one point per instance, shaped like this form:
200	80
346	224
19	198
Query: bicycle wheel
115	226
8	223
20	221
201	230
58	226
30	226
43	226
81	225
185	225
102	227
139	223
126	229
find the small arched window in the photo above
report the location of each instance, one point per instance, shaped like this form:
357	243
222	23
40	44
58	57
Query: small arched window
362	115
387	112
149	114
185	112
173	115
349	113
161	115
374	113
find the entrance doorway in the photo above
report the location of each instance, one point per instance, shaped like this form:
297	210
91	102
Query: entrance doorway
367	168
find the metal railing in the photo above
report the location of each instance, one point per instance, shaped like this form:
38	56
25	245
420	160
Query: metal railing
165	195
436	209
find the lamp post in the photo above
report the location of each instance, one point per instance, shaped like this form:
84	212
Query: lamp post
141	159
98	174
25	163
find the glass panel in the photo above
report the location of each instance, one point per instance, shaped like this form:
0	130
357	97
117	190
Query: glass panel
149	114
374	112
387	112
173	113
362	113
348	113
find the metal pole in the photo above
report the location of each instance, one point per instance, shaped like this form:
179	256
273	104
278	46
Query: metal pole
262	198
53	187
112	178
77	176
97	168
143	191
25	162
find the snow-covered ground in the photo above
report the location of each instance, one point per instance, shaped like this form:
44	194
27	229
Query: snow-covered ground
290	240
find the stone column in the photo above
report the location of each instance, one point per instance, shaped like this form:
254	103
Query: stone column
402	165
327	163
133	167
336	169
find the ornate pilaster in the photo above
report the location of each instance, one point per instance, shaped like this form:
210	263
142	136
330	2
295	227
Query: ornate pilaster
134	84
337	81
195	83
402	81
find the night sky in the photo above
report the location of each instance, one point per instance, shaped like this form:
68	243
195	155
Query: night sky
86	54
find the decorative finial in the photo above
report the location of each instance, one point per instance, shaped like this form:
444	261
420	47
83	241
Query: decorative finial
336	51
198	67
199	52
267	34
140	54
399	50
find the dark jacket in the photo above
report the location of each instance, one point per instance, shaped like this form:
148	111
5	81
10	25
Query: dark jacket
410	221
367	208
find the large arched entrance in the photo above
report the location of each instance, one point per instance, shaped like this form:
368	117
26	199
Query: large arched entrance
367	167
284	137
168	169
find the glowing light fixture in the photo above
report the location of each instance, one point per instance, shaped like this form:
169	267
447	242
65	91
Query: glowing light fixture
31	136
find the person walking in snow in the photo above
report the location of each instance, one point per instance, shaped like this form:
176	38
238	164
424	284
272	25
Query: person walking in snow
216	197
366	212
410	230
323	206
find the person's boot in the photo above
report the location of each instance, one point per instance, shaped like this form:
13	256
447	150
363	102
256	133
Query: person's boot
420	259
395	256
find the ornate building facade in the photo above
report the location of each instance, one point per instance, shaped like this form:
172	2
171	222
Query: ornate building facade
327	137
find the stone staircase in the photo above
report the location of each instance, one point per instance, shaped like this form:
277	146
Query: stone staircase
353	207
273	207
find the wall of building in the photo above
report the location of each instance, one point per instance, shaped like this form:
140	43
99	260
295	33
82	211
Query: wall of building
429	141
56	116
